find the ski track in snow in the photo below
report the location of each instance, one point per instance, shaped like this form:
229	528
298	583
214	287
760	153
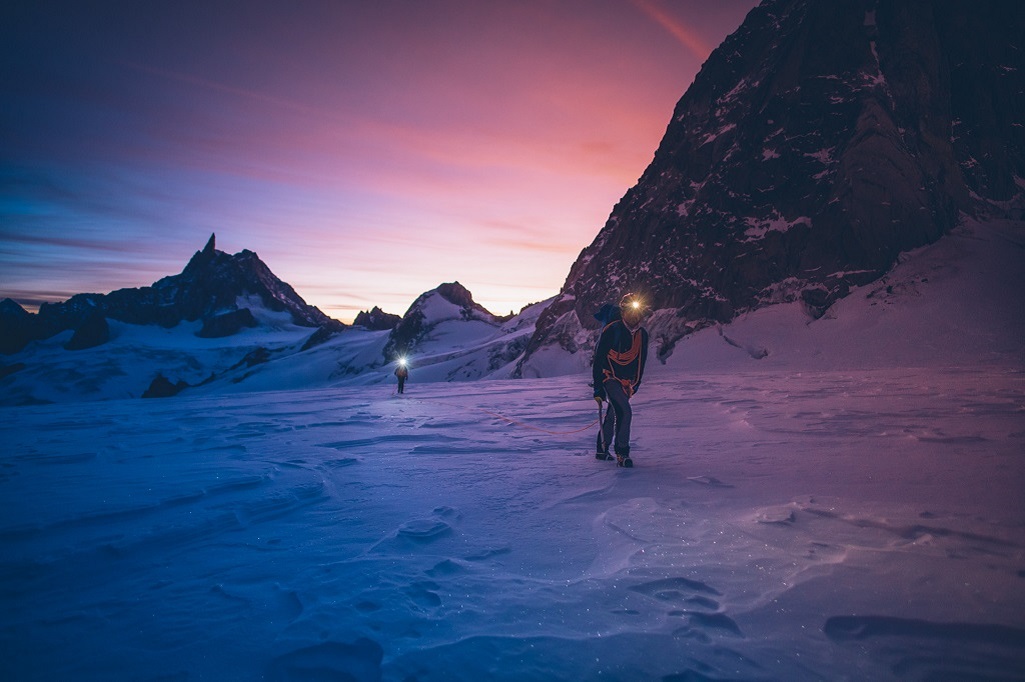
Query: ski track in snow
777	526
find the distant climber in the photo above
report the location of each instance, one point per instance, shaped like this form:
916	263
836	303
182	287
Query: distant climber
402	372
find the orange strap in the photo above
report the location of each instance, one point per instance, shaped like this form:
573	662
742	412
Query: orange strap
628	386
628	356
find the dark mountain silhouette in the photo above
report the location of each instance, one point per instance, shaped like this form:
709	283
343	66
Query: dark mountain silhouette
818	142
214	287
16	327
376	320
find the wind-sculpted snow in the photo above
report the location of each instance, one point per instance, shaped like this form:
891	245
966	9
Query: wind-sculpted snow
832	524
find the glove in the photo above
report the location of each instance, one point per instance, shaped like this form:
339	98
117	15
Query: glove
598	399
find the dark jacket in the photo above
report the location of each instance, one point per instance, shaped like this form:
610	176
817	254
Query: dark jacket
620	354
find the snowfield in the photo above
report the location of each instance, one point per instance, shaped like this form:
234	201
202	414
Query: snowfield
849	506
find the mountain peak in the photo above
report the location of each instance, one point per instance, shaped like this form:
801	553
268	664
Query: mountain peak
456	293
816	144
10	308
449	301
213	282
213	287
376	320
203	258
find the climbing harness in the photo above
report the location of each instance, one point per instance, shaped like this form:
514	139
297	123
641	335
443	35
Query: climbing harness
623	360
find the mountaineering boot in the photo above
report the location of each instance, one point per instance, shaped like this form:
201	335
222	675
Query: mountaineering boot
624	461
603	456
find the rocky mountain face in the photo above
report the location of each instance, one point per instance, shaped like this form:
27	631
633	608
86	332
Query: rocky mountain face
817	143
449	302
376	320
213	287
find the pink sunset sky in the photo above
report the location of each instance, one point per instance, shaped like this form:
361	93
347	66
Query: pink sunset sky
367	151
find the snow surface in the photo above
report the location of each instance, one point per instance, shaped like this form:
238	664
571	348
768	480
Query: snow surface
849	506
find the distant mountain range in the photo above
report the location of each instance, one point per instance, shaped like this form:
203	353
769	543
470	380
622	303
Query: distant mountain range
213	288
818	143
256	340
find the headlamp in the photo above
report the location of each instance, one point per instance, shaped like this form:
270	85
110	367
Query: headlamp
632	302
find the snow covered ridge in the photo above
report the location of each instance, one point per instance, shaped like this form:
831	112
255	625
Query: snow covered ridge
445	335
213	327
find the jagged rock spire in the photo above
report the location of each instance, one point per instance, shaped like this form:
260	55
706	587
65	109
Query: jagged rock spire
208	289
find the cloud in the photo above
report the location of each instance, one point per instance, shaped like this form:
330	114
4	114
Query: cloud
686	36
207	84
14	243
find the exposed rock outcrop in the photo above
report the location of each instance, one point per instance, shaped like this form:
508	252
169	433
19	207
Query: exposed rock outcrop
376	320
93	332
161	387
227	324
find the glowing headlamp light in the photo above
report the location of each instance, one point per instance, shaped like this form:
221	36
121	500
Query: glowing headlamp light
632	302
